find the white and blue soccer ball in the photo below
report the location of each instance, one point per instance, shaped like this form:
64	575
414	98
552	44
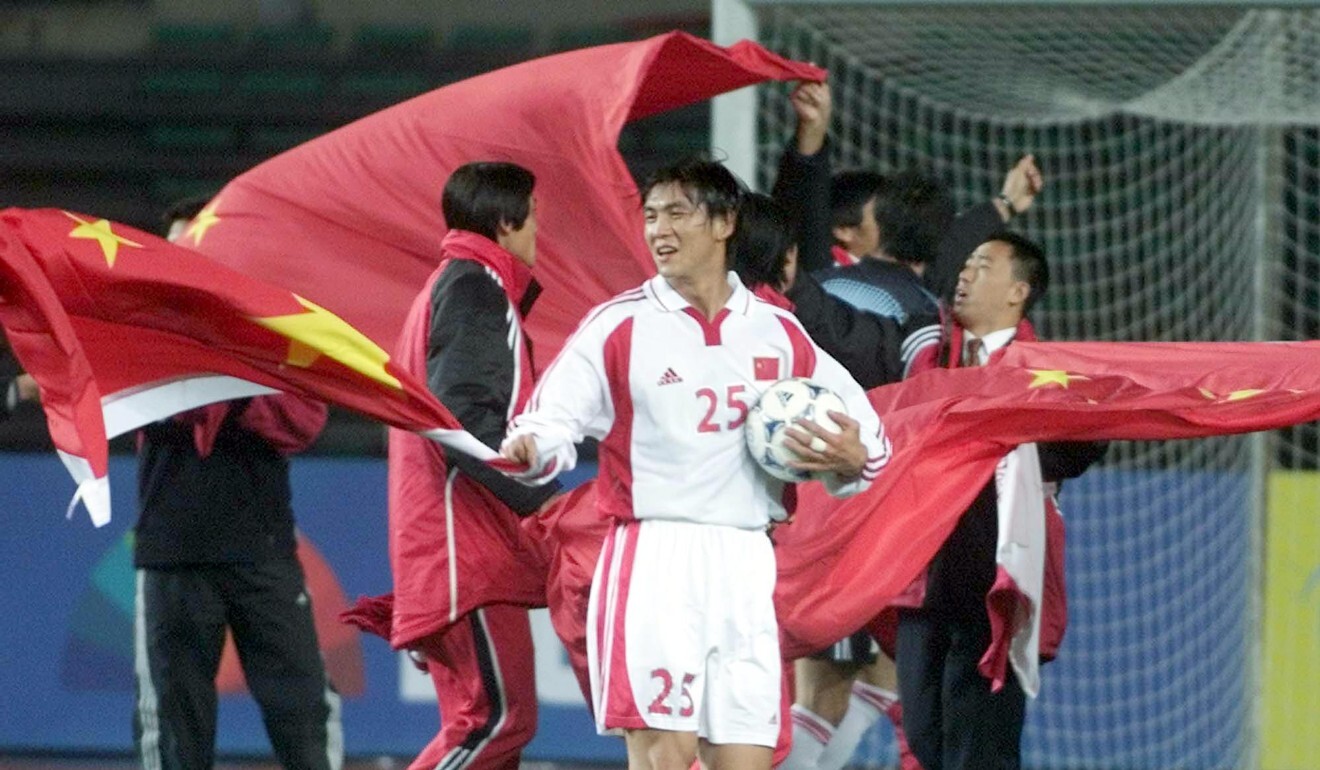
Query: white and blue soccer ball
779	406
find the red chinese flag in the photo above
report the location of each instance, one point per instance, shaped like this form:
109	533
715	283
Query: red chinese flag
352	220
841	562
765	368
116	322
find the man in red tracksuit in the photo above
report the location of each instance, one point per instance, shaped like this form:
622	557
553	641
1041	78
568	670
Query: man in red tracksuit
464	571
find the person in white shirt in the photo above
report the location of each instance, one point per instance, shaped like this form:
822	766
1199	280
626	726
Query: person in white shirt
683	643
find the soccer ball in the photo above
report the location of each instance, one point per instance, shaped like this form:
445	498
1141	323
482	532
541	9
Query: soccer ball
779	406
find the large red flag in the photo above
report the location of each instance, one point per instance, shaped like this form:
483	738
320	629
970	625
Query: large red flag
116	322
352	220
843	561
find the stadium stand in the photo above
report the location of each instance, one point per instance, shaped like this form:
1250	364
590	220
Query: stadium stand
201	102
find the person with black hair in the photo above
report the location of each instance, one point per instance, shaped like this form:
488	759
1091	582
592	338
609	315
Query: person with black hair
852	203
899	218
215	551
962	676
449	513
762	251
665	376
764	255
839	217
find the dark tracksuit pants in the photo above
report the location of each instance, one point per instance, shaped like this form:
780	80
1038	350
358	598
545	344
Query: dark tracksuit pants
952	719
179	635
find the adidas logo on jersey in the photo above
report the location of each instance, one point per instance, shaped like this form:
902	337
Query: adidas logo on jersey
669	377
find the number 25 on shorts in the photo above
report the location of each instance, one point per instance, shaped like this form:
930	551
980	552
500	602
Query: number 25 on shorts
666	681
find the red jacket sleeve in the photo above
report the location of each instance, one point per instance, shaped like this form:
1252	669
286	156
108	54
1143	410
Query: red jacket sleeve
290	423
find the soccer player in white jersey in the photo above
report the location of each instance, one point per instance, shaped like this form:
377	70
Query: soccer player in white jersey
683	643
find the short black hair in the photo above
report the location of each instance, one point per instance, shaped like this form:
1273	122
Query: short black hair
1029	264
913	212
184	208
849	192
480	196
705	181
759	249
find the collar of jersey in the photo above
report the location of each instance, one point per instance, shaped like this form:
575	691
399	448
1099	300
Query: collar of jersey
669	300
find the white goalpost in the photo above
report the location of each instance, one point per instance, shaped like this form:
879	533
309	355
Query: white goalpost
1180	143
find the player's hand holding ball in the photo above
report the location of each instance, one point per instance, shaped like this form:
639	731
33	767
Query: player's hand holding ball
823	449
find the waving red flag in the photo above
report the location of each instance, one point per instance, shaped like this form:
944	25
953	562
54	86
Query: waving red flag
843	561
116	322
352	220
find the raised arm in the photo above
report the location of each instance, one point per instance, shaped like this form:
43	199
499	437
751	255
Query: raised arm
802	185
1021	186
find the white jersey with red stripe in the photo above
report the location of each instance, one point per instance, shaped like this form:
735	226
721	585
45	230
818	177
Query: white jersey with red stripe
667	391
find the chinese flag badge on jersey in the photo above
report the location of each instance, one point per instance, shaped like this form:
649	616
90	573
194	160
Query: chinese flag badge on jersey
765	368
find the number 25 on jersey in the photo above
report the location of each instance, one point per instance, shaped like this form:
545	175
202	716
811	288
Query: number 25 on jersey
726	413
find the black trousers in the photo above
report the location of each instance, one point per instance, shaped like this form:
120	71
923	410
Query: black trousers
179	635
952	719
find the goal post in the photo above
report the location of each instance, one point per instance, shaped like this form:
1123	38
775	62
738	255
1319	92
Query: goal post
1180	144
733	115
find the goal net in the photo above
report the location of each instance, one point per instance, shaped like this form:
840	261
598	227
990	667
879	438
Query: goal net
1181	154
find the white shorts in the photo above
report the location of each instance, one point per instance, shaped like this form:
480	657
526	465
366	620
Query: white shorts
681	632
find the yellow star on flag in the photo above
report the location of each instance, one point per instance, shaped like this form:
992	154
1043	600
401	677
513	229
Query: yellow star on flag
205	220
1236	395
321	333
100	232
1242	395
1042	377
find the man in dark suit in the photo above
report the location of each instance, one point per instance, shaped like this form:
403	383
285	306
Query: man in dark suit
959	713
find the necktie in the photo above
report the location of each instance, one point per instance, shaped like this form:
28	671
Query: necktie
972	352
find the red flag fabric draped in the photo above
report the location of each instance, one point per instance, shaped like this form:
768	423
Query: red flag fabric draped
352	220
841	562
116	322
